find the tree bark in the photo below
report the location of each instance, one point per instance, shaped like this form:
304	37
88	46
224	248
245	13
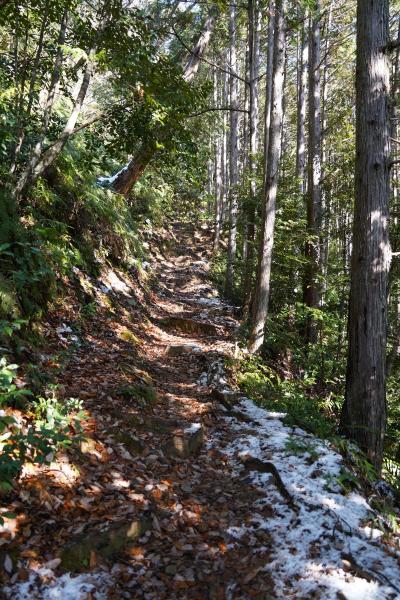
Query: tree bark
254	59
325	236
192	66
25	178
36	168
31	93
312	248
233	156
302	74
225	147
217	167
262	291
364	411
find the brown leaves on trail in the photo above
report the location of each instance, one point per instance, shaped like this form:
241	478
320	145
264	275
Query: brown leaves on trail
122	472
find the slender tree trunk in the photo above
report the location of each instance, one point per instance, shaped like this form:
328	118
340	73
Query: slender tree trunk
262	291
245	136
233	155
36	169
325	194
25	178
31	93
254	59
20	98
364	410
192	66
225	147
217	170
245	149
302	75
311	281
394	296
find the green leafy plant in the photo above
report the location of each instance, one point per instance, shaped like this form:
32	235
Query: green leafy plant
300	447
36	441
10	394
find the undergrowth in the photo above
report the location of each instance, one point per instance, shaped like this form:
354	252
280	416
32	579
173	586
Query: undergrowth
69	229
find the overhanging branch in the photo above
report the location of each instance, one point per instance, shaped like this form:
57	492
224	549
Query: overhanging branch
218	108
205	60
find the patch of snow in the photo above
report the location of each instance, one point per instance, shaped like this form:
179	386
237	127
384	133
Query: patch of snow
63	329
352	588
66	329
310	546
43	584
209	301
193	428
105	181
203	379
110	282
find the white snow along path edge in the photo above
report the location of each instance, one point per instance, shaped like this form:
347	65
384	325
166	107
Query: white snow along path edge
310	546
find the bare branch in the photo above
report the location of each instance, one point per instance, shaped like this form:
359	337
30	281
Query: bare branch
208	62
390	46
217	108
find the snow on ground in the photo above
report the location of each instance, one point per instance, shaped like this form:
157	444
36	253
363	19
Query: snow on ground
44	585
324	550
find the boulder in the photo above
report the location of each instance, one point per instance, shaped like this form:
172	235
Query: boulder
187	325
131	443
185	443
183	349
228	398
147	422
102	544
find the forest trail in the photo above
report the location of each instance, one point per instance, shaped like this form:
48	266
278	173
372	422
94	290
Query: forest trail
204	495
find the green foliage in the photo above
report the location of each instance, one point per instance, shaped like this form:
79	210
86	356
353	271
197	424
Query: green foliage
318	416
10	395
292	396
299	447
143	395
54	413
20	442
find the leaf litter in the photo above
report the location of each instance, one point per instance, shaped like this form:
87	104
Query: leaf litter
210	524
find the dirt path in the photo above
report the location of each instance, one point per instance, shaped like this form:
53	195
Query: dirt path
162	477
127	469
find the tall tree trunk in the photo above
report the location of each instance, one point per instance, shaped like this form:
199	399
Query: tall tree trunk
394	295
217	169
128	177
262	291
233	155
302	74
245	148
325	194
31	93
254	67
192	66
225	147
311	280
364	411
20	97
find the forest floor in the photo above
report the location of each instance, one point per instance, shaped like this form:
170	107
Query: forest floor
182	489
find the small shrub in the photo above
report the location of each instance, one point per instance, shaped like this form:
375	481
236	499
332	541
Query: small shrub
35	442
